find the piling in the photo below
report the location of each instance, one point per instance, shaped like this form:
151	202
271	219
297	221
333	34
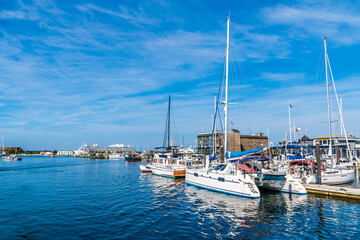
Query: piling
337	155
318	163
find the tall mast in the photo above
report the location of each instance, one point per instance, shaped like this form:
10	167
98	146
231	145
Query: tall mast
341	120
226	87
168	137
290	124
215	125
328	100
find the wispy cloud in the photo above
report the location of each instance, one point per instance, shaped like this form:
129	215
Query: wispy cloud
340	21
135	17
282	77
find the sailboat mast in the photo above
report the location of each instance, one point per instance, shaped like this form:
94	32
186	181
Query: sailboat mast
168	130
328	100
290	136
341	120
215	124
226	87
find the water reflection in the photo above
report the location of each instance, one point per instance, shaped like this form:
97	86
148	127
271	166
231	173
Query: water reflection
228	214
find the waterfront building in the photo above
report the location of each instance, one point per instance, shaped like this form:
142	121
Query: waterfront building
338	141
65	153
86	149
236	141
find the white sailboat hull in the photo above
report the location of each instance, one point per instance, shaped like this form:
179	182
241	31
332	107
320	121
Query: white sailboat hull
335	178
242	186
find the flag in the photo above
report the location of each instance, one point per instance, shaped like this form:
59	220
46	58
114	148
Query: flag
298	131
243	166
232	123
290	105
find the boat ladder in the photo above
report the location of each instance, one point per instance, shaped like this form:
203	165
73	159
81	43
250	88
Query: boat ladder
253	190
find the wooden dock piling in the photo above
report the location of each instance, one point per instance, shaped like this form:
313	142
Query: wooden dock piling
318	163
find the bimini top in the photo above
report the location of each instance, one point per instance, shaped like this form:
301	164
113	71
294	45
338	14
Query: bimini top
305	162
243	153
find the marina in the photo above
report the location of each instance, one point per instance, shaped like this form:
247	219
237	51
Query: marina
44	197
179	120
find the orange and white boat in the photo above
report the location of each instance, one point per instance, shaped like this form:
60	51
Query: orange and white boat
168	165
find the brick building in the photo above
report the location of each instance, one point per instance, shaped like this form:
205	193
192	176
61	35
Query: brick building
236	141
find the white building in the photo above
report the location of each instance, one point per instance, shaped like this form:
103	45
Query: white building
65	153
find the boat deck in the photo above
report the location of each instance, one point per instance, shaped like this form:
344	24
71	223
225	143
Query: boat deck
333	191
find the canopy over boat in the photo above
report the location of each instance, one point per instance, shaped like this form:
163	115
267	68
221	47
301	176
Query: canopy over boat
302	162
243	153
305	162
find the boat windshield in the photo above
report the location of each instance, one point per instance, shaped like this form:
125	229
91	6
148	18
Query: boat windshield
220	167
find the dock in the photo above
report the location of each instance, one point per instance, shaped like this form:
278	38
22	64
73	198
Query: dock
334	191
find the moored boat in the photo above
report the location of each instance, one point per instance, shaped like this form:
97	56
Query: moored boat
168	165
145	168
133	158
281	181
11	158
115	156
305	171
225	177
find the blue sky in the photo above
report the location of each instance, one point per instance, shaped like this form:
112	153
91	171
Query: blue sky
101	71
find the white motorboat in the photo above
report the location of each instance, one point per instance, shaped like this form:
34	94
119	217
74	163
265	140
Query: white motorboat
145	168
279	181
11	158
116	156
168	165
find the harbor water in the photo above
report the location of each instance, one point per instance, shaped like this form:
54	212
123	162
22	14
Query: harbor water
75	198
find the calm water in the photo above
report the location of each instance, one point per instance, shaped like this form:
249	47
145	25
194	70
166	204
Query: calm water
73	198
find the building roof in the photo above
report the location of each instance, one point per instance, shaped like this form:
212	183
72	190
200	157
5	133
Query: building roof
327	137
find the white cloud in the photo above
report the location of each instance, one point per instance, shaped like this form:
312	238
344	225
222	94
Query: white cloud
7	14
282	77
338	21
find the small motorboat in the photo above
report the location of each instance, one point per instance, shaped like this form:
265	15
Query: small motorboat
145	168
11	158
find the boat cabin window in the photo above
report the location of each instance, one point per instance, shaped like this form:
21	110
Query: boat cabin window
196	174
221	179
220	167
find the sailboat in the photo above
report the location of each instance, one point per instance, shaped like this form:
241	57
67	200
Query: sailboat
335	174
224	177
7	157
167	163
